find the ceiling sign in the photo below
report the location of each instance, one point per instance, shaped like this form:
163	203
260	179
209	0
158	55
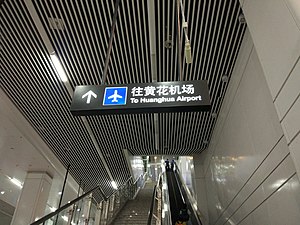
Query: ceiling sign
184	96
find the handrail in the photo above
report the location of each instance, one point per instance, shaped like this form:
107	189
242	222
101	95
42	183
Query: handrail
125	184
137	179
50	215
181	194
150	213
188	195
107	197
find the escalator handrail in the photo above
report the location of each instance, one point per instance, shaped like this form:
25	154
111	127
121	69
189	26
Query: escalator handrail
150	213
187	194
51	215
142	175
127	181
178	185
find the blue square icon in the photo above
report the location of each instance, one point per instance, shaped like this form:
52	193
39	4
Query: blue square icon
115	96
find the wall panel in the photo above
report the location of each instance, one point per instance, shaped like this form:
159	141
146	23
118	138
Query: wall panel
275	28
248	162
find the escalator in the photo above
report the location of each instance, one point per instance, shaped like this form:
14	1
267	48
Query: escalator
179	199
176	199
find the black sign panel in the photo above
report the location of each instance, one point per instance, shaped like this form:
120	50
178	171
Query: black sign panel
185	96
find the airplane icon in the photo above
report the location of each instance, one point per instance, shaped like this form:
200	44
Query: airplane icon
115	96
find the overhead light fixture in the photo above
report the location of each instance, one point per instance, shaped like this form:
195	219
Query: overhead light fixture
59	193
2	192
16	182
58	67
114	185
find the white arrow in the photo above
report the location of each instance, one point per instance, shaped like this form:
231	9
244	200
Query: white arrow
89	95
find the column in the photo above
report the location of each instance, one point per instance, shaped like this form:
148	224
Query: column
32	202
279	53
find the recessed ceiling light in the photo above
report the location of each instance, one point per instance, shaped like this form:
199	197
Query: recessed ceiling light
16	182
59	193
59	68
2	192
114	185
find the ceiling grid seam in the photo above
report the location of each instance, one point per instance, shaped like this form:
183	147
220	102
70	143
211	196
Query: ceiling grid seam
200	51
142	46
112	66
77	68
92	44
139	74
84	44
132	49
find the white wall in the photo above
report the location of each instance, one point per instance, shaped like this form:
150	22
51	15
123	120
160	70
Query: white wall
248	169
200	187
29	154
275	28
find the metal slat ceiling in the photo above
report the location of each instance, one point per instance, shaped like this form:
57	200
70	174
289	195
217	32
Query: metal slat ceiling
30	80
